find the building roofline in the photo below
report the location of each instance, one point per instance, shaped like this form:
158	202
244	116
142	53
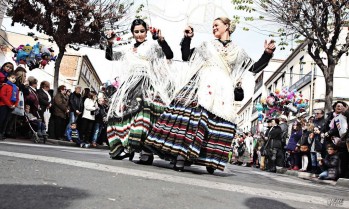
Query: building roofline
89	61
288	59
245	105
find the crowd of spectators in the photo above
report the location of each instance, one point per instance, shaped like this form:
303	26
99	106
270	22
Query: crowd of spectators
73	116
318	144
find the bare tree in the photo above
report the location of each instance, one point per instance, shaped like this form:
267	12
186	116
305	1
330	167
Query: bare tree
70	21
321	22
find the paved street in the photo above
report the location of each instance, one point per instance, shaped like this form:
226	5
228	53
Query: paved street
45	176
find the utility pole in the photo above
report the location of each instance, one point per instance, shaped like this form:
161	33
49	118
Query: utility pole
311	105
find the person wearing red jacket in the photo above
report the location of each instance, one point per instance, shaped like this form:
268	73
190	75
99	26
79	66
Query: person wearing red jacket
9	98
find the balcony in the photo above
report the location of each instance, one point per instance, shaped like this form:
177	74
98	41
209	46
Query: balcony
258	86
302	82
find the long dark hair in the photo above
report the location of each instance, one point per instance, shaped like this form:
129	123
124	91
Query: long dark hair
298	127
6	63
138	22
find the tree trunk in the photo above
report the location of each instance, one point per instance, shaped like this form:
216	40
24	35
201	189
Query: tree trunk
329	87
57	66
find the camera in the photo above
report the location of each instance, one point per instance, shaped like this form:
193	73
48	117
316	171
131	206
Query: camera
187	31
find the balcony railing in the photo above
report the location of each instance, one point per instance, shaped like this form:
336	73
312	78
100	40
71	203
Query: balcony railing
302	82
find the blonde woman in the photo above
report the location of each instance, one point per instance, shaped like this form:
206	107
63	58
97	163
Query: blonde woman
200	124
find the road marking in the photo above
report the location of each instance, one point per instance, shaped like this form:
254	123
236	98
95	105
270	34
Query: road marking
289	196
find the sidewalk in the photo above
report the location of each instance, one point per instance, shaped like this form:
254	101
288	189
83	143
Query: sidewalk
313	177
72	144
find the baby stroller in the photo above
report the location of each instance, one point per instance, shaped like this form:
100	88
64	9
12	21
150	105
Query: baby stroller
36	136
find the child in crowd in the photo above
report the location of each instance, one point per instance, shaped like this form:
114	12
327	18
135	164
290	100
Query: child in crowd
4	72
38	125
315	147
74	136
330	164
8	100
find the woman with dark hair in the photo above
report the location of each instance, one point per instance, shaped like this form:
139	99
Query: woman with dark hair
144	92
88	117
291	147
44	97
4	71
200	124
45	101
21	76
60	111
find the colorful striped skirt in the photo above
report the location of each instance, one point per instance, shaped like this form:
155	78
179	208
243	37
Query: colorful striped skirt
194	133
132	129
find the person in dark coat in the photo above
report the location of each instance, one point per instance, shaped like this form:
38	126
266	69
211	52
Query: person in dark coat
32	98
76	106
296	135
275	157
319	119
44	97
61	110
330	165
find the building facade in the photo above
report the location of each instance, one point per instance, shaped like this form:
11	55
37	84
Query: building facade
247	114
75	68
298	72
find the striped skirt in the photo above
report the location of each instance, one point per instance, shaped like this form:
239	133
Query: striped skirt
132	130
194	133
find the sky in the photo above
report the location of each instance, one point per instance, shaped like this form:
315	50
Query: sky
172	17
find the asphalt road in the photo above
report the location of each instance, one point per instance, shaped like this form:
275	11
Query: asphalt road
43	177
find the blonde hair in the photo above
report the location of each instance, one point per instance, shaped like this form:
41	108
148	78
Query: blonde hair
230	23
310	127
20	74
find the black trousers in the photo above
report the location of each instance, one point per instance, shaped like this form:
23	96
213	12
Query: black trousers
5	112
60	124
86	128
275	158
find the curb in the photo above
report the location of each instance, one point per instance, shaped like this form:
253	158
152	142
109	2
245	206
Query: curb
312	177
343	182
72	144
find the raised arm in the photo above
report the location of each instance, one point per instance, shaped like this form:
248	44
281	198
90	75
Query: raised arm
264	60
166	49
185	44
110	55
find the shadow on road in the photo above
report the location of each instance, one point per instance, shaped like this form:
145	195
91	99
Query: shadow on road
195	169
264	203
38	196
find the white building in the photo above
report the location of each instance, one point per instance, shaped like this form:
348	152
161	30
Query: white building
298	72
247	114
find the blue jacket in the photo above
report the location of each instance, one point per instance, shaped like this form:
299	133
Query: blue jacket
294	139
70	134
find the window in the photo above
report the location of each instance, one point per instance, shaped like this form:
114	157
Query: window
291	75
276	85
301	67
283	80
269	90
84	69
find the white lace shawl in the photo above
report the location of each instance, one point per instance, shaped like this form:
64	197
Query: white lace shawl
214	71
148	62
